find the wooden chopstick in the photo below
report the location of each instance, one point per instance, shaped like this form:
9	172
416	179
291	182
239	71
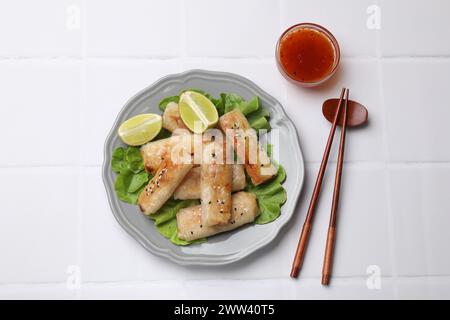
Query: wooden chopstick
307	225
331	236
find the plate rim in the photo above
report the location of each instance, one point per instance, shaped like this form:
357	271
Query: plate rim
281	115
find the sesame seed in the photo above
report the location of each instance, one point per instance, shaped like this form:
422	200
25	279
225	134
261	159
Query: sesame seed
201	226
209	202
192	232
235	209
213	138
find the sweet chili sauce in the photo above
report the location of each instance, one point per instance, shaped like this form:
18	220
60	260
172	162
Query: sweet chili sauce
307	55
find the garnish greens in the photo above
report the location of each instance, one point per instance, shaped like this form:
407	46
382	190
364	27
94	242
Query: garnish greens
132	178
271	196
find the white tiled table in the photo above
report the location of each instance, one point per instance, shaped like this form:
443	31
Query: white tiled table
68	66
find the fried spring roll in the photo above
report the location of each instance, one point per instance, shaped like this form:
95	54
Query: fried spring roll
190	187
155	152
189	222
172	119
215	186
162	185
260	170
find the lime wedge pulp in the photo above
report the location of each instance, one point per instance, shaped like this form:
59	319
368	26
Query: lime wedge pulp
197	111
140	129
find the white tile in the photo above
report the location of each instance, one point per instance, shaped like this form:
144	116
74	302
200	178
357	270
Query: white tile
413	288
304	106
36	292
108	252
436	288
240	290
109	84
420	207
263	72
38	229
362	233
40	112
439	288
346	20
406	191
342	289
229	28
414	27
416	99
133	28
152	290
40	28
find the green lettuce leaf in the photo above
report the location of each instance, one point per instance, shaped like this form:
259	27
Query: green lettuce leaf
131	178
271	196
259	119
164	102
128	187
232	101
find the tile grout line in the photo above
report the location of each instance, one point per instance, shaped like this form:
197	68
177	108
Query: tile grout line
385	139
184	55
81	169
142	281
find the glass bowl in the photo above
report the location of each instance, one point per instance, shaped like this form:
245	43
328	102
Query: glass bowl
323	31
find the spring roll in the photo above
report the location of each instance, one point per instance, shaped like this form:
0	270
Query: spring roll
189	222
172	119
215	186
162	185
155	152
259	168
190	187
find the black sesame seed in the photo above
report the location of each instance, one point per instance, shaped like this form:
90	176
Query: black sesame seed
201	226
192	232
213	138
209	202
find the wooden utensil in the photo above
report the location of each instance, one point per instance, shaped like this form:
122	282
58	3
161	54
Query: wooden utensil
307	225
355	115
331	236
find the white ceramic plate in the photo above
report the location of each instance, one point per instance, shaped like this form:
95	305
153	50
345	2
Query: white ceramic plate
231	246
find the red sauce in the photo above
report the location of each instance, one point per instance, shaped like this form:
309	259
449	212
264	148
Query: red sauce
307	55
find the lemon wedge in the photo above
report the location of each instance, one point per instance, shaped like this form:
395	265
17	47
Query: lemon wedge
197	111
140	129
